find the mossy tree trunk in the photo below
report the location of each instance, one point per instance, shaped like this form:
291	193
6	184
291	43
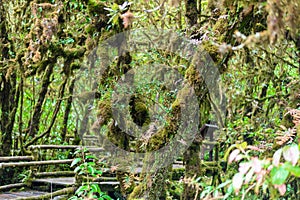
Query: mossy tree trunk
116	134
9	96
9	93
192	155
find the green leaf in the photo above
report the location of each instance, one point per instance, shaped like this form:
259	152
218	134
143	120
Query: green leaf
90	169
223	184
294	170
96	188
98	172
75	161
115	19
243	145
228	192
279	175
206	191
91	163
77	169
81	190
90	157
115	7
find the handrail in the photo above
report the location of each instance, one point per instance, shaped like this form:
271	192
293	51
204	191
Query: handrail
16	158
34	163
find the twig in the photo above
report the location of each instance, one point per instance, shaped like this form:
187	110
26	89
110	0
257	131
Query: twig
244	194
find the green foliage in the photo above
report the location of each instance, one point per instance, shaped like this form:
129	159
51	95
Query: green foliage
87	165
115	12
254	43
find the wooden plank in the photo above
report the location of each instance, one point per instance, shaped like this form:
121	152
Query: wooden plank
16	158
55	174
11	186
63	181
64	147
33	163
64	191
54	146
15	195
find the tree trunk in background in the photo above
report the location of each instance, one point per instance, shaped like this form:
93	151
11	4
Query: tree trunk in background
8	91
8	98
191	12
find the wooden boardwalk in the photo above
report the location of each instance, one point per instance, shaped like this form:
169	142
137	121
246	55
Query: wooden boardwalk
62	182
43	186
20	194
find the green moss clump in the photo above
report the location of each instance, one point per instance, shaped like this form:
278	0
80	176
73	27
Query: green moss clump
90	29
137	191
96	6
177	173
287	121
74	53
139	111
104	110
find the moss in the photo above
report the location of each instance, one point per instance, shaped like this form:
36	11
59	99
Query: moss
90	29
212	50
139	111
117	136
136	193
96	6
287	121
177	173
158	140
104	111
98	14
74	53
75	65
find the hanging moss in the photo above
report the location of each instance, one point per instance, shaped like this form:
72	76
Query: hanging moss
163	135
104	110
139	111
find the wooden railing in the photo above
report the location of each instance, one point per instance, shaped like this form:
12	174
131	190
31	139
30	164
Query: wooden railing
34	160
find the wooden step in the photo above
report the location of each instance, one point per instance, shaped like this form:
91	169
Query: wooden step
18	194
54	184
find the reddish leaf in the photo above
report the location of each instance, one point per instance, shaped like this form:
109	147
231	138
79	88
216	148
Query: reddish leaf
256	164
276	157
249	176
237	182
127	18
233	155
291	154
244	167
239	157
281	189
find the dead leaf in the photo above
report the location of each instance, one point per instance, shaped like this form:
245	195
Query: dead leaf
127	18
